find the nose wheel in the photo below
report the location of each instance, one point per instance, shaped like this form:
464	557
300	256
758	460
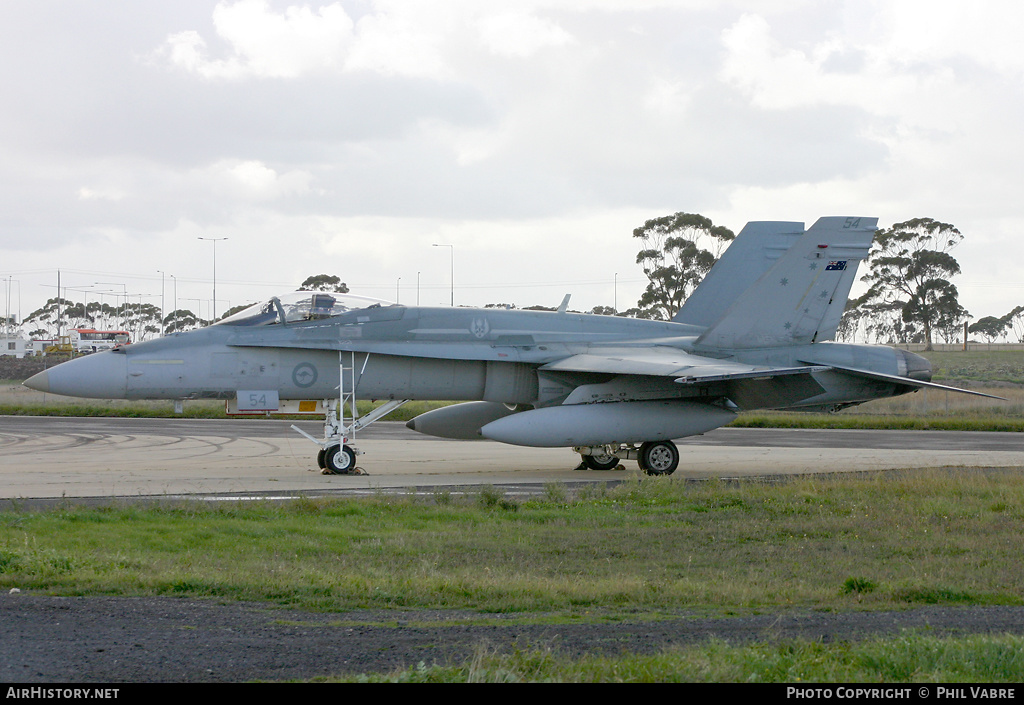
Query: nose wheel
338	459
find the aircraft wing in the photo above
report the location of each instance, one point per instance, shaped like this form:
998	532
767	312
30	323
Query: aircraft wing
663	361
748	386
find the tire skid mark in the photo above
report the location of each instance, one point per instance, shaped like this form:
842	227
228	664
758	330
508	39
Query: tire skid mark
31	443
212	445
191	446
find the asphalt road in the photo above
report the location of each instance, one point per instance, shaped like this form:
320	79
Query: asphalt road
54	457
396	430
166	639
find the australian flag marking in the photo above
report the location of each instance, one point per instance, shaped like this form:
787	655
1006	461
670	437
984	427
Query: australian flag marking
836	266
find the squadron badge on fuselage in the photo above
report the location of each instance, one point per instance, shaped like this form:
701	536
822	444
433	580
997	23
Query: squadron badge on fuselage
480	327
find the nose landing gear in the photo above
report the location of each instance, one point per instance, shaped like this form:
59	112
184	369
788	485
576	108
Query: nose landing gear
338	460
336	456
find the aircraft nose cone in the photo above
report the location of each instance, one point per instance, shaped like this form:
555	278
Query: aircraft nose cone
99	376
39	382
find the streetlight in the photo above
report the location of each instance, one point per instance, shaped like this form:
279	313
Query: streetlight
199	306
214	240
162	276
175	279
452	269
7	316
398	291
124	309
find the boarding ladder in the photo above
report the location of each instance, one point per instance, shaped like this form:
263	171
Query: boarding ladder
342	419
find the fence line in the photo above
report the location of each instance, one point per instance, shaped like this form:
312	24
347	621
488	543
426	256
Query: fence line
959	347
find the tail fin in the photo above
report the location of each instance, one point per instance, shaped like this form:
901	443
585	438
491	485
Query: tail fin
750	255
801	298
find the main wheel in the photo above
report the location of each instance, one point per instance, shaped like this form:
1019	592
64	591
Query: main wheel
601	461
321	463
340	459
659	458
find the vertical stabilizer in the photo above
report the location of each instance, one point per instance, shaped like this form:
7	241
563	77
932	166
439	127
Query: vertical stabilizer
758	246
800	299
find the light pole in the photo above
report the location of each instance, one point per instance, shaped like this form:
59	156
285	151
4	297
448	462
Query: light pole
398	291
214	240
199	305
175	280
615	295
124	309
162	276
452	269
7	317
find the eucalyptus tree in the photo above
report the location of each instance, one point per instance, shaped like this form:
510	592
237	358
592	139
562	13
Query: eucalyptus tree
181	320
58	315
324	282
1015	323
989	327
678	251
909	272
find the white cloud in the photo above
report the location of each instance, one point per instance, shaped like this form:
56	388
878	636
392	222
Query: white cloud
264	43
396	38
254	180
923	31
495	124
100	194
777	77
405	39
518	34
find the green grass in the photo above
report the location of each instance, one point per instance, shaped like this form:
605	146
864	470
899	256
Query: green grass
648	546
908	658
985	366
650	549
853	420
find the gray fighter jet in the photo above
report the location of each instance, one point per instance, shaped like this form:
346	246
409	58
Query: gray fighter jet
754	335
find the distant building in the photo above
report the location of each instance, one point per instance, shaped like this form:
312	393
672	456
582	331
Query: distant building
18	347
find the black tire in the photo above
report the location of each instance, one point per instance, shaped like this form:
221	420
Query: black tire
340	460
659	458
320	459
601	462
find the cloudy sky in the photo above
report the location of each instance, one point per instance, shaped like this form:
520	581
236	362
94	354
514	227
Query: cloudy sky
532	136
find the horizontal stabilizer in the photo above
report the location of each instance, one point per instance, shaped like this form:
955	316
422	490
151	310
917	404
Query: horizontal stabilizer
909	382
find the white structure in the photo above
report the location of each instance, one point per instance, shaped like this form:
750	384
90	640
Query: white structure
19	347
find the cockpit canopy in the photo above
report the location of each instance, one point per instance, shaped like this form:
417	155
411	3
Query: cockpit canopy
300	306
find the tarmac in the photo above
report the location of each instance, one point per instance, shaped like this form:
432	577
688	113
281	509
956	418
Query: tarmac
48	457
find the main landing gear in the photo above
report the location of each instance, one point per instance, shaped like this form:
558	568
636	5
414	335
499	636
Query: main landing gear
654	458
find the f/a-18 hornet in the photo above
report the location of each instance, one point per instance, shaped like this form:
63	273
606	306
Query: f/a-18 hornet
754	335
